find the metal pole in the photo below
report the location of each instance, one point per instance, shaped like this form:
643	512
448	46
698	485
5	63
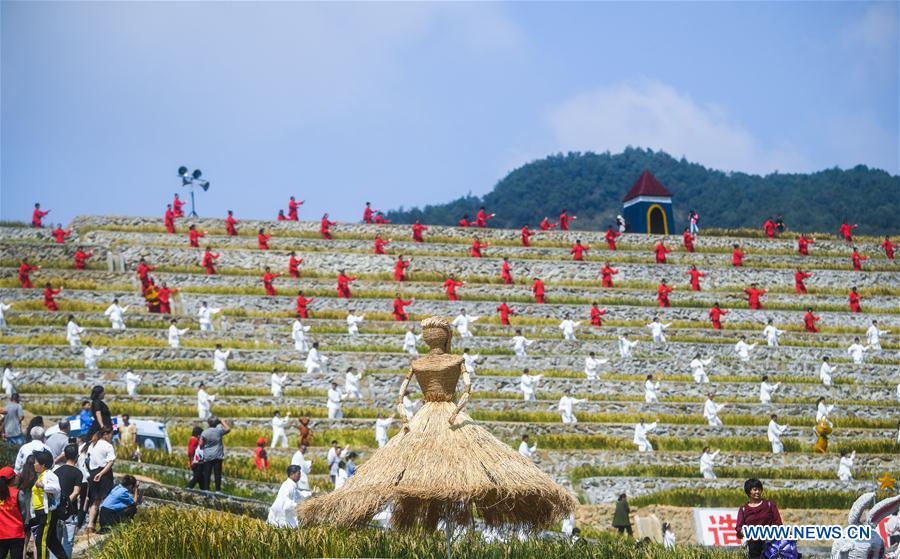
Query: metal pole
193	207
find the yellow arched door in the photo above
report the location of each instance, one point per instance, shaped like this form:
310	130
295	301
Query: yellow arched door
657	222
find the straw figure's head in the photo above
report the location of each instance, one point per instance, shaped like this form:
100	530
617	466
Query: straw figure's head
437	334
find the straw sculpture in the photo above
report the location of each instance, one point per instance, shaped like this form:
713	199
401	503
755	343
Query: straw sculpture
442	465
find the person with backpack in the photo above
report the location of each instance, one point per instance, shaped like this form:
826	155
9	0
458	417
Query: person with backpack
70	478
757	512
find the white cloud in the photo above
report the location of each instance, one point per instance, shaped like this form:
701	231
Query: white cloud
648	113
877	29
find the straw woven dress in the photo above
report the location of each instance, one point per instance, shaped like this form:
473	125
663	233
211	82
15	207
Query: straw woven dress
443	465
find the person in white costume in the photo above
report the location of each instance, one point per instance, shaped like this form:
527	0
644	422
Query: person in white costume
845	467
823	410
175	334
826	371
353	322
525	450
335	396
116	315
205	314
640	436
299	457
772	334
711	411
528	384
774	434
91	355
298	336
568	328
857	351
351	384
706	463
381	428
568	525
651	390
334	457
220	359
73	332
278	382
409	406
409	341
470	361
697	369
668	536
626	347
873	336
591	364
278	432
656	330
8	377
462	323
283	512
520	343
315	361
204	402
566	407
131	382
743	349
766	390
3	308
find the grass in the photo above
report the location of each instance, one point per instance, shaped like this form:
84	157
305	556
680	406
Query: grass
784	498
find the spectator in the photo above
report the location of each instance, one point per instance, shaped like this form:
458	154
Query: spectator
57	442
12	529
12	422
82	464
757	512
70	478
84	417
213	451
29	448
99	412
101	457
621	520
121	503
25	482
36	421
128	435
45	495
195	458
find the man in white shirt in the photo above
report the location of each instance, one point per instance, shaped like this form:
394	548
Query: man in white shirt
409	406
335	396
278	382
298	335
525	450
656	330
743	349
651	390
8	377
3	308
278	433
566	407
698	368
823	410
35	444
626	347
381	428
220	359
857	351
528	384
299	457
91	355
334	457
826	371
774	434
205	315
640	436
462	323
73	332
771	334
470	361
116	315
315	361
283	512
711	411
591	364
568	328
409	341
520	343
351	384
845	467
131	382
706	463
766	390
175	334
353	322
873	336
204	402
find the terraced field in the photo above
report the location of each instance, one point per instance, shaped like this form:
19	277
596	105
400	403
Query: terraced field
595	457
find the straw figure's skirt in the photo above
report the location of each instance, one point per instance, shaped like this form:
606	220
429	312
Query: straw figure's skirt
439	471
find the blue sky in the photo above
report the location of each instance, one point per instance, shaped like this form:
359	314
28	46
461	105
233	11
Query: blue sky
414	103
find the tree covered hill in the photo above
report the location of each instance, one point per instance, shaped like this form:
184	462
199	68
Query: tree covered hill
592	185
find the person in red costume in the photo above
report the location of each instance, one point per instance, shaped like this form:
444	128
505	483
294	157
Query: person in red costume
854	300
578	250
537	288
230	223
209	261
37	216
847	231
715	315
143	272
803	244
194	236
165	298
303	305
25	270
464	222
380	244
688	239
506	271
505	313
809	321
368	213
400	267
267	280
799	276
49	297
281	216
380	220
857	259
293	206
597	315
662	294
737	256
888	247
81	258
753	295
546	225
324	228
399	305
261	455
450	287
611	236
477	245
606	273
177	206
294	265
417	230
481	217
695	278
60	235
526	236
169	220
343	285
769	228
661	251
262	240
564	220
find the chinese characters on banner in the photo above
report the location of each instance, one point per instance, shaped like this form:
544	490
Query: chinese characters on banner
715	527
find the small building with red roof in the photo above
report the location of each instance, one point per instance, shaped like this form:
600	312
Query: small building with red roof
647	208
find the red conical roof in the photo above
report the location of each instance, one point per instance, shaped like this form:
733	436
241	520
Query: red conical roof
647	185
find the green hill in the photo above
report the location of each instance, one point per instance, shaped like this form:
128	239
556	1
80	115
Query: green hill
592	186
